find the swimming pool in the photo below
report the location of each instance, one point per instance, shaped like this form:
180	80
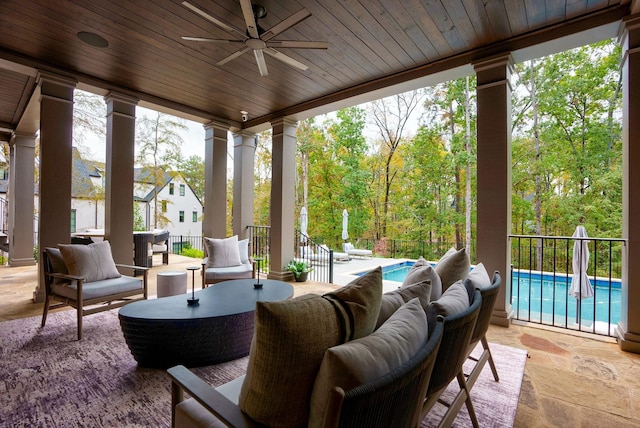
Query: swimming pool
545	299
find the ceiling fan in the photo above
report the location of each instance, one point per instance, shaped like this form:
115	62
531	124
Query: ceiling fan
256	39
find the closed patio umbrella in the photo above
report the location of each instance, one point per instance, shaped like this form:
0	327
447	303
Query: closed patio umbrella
580	285
345	225
304	222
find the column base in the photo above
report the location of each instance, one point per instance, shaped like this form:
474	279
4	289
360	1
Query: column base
628	342
502	318
30	261
280	276
39	294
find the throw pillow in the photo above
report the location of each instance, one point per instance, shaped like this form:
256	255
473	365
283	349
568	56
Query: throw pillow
422	270
478	277
358	304
94	262
57	264
453	301
289	341
454	265
393	300
222	252
366	359
243	250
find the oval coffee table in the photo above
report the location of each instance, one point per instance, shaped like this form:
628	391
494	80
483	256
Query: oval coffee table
165	332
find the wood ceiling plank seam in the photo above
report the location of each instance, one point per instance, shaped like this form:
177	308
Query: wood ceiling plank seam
536	15
425	21
575	8
499	19
390	20
445	25
424	50
355	51
373	52
479	19
387	47
461	21
517	16
556	10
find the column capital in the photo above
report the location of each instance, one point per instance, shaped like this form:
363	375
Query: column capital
500	60
216	125
284	121
44	77
24	139
122	98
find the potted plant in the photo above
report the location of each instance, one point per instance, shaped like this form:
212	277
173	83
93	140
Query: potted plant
299	269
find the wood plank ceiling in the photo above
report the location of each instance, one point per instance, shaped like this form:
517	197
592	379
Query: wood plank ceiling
372	43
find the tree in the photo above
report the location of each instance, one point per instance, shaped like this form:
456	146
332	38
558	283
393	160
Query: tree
390	116
159	140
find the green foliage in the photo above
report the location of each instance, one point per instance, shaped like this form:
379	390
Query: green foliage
187	251
298	267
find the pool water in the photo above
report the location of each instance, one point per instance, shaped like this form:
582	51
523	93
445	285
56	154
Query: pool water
545	298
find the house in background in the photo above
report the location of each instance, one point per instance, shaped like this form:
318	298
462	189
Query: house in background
179	209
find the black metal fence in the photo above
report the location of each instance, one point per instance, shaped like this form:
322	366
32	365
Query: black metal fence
544	273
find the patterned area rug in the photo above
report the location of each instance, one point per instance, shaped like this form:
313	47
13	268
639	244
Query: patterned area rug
48	378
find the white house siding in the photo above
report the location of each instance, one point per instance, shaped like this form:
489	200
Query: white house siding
175	203
89	214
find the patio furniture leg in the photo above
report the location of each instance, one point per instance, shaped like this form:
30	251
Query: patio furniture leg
485	345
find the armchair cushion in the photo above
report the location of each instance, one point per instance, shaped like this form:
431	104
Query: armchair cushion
222	252
393	300
368	358
97	289
452	266
94	262
422	270
289	341
57	264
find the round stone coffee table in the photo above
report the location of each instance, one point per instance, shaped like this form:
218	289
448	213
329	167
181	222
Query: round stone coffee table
165	332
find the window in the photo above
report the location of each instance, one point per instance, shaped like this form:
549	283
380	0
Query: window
73	221
182	190
164	206
181	216
171	188
194	216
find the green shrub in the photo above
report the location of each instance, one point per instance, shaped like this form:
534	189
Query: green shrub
192	252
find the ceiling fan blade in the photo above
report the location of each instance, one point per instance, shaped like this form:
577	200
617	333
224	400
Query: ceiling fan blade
204	39
285	24
234	55
297	44
249	19
262	65
216	21
286	59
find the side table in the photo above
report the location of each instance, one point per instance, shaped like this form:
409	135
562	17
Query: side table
171	283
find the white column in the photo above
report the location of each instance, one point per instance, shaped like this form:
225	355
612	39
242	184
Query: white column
120	156
628	330
244	148
56	129
282	197
21	206
494	175
214	223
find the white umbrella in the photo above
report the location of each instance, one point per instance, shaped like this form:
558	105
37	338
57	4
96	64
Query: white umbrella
580	285
304	221
345	224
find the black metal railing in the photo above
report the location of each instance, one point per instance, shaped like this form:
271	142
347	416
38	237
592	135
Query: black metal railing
259	245
542	275
318	256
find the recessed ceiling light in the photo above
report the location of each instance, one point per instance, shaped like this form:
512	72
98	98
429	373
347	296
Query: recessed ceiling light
93	39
